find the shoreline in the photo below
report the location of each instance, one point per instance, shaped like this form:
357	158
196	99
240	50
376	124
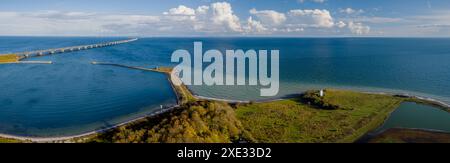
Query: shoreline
416	99
408	97
180	96
369	136
89	133
66	138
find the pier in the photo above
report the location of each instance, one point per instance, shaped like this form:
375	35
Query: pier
37	53
125	66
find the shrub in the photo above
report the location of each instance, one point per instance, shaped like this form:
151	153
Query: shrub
313	98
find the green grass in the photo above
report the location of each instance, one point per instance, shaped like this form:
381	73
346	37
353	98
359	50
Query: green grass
7	140
294	121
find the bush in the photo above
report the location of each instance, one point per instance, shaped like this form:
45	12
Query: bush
313	98
195	122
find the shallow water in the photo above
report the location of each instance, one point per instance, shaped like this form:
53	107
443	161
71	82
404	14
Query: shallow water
418	116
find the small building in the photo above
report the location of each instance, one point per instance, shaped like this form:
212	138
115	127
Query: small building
321	93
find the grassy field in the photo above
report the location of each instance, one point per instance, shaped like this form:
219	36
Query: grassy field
6	140
410	136
295	121
8	58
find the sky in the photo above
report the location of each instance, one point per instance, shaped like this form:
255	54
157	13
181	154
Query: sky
289	18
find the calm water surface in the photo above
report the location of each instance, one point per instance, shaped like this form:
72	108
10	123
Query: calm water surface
418	116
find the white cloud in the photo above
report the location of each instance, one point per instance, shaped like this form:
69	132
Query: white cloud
214	19
340	24
218	17
222	14
202	10
376	20
434	26
351	11
358	28
181	10
69	23
254	26
312	18
269	16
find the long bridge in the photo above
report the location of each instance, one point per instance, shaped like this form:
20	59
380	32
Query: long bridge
36	53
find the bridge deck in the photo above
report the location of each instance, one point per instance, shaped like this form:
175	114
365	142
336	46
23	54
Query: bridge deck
37	53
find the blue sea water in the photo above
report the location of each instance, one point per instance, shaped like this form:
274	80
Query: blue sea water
72	96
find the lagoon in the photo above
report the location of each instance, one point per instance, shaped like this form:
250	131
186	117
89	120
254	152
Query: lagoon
418	116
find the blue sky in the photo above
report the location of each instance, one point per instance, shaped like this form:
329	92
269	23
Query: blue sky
296	18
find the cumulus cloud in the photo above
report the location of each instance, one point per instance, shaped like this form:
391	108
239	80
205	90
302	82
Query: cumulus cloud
202	10
340	24
218	17
312	18
222	14
214	19
269	16
293	21
254	26
181	10
358	28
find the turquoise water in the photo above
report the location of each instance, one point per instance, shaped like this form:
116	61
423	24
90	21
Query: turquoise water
72	96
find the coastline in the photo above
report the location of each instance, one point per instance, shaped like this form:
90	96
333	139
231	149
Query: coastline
418	136
67	138
417	99
408	97
183	94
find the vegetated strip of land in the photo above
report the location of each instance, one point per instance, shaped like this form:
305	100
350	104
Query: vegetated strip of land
8	140
402	135
338	116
